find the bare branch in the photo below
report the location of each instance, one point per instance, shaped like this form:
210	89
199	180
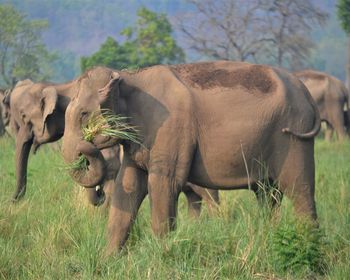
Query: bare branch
274	31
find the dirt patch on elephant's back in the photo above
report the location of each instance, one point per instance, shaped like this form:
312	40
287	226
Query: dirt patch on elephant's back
206	76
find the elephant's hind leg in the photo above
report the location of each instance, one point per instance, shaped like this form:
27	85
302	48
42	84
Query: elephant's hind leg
194	201
209	196
297	178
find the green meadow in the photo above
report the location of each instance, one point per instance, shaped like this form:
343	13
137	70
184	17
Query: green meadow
54	234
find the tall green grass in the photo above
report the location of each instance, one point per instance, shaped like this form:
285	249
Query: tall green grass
53	234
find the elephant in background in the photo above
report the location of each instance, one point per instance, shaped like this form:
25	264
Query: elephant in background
332	99
37	117
2	124
222	125
4	111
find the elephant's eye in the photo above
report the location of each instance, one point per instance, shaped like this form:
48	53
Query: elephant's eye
23	116
42	105
83	115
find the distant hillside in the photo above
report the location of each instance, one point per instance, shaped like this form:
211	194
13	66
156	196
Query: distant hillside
78	27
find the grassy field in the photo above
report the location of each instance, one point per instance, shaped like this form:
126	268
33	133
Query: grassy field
53	234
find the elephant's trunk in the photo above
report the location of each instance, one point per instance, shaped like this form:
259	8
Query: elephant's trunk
95	172
104	142
24	141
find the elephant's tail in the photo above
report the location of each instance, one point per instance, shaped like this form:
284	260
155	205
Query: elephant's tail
317	122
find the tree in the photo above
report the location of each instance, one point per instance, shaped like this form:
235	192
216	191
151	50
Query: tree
343	10
110	54
22	53
274	31
224	29
148	43
289	23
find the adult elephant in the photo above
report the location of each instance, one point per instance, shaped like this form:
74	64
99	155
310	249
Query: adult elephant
226	124
332	99
37	117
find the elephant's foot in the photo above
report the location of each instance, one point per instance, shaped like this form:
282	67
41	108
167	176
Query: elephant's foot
18	195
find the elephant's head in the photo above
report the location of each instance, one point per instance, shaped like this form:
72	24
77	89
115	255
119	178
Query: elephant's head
93	95
33	105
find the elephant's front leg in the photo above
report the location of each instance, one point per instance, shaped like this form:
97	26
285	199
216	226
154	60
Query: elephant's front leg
130	190
163	191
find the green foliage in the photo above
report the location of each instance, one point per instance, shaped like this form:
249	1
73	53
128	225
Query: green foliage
148	43
343	10
22	53
299	247
110	54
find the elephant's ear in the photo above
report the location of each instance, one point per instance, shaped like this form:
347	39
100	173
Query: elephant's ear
7	96
108	95
48	103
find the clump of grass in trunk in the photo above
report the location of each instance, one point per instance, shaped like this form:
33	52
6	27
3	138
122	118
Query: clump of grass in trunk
105	124
78	164
108	124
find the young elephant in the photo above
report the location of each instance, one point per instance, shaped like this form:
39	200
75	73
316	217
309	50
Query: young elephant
37	117
226	124
194	194
332	99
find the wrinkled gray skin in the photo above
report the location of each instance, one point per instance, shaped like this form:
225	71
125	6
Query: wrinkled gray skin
223	123
332	99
